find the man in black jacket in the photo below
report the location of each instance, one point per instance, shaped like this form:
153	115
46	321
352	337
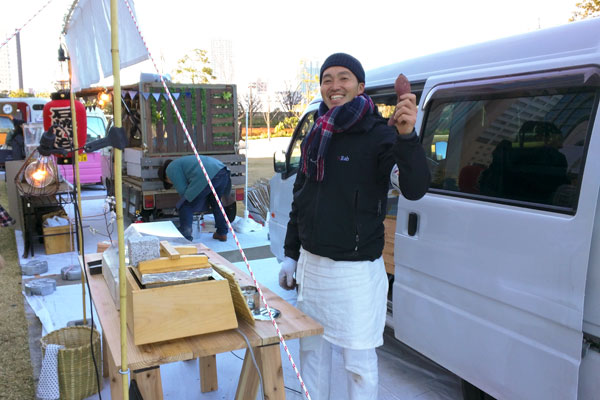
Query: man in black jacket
335	235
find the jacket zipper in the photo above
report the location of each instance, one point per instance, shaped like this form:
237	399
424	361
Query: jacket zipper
356	219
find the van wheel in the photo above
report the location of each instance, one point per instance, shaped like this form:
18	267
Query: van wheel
231	211
471	392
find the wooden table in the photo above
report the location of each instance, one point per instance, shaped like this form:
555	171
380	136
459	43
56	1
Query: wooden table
144	361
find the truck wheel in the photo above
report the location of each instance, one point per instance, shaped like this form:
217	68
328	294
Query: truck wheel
471	392
231	211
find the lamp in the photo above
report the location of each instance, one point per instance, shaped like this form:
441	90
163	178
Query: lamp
103	99
38	176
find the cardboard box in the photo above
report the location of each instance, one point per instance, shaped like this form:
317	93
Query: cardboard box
177	311
58	239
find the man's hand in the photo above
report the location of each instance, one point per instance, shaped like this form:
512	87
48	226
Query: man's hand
405	116
286	274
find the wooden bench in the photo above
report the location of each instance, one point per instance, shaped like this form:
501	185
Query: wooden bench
144	361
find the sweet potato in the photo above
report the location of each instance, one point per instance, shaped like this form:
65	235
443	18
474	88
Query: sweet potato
401	86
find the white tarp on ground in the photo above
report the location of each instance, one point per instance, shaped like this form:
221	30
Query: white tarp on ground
88	37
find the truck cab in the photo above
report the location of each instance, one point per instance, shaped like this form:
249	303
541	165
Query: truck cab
496	269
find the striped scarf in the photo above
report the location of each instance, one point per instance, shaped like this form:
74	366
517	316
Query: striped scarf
338	119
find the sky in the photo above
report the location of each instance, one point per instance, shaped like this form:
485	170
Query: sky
270	38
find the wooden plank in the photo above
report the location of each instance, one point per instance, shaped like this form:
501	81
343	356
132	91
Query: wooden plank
388	248
188	121
149	382
268	359
160	130
171	128
208	374
239	301
166	247
199	128
164	264
223	129
148	131
180	138
209	132
248	381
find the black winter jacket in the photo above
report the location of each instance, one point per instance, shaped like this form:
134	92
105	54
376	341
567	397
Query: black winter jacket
342	216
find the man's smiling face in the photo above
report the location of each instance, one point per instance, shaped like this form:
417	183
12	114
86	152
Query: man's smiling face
339	86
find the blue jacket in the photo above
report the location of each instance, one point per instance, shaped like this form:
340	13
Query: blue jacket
187	176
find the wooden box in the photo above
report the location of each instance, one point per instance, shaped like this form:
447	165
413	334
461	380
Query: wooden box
176	311
61	239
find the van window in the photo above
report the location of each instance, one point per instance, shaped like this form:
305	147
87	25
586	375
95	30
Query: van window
303	128
524	146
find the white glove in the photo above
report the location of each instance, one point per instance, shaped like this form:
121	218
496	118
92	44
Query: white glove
286	274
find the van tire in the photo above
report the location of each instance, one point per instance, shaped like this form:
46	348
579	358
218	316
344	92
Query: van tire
471	392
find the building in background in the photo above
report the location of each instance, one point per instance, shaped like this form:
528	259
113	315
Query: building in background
221	56
308	78
6	80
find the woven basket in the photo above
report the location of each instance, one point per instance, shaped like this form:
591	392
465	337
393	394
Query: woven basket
76	372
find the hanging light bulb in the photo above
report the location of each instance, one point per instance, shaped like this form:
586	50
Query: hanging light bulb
39	174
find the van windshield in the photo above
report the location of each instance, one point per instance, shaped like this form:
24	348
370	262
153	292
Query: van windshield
95	128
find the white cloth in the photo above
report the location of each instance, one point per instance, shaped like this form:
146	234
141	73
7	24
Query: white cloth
48	388
88	41
349	298
360	368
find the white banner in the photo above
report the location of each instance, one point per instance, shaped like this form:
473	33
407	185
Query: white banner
88	41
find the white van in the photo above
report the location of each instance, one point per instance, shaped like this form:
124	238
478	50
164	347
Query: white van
28	109
497	268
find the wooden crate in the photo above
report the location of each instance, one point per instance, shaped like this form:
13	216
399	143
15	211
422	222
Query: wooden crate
177	311
58	239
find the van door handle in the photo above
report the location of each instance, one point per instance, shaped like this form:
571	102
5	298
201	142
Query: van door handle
413	222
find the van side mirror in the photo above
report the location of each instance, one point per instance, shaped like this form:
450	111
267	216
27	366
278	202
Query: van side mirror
279	161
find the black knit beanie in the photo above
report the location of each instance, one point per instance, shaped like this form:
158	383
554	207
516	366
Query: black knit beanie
344	60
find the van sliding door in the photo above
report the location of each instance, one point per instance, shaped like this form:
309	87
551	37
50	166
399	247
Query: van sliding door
492	284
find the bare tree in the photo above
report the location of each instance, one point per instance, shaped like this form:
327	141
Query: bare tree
290	98
250	102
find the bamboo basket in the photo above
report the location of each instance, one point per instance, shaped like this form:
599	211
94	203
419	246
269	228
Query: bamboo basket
76	371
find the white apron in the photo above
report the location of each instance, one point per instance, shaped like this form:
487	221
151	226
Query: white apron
349	298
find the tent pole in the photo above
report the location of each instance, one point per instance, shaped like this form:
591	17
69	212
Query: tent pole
114	30
77	183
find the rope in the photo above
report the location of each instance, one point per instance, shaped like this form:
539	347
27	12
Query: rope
191	142
24	25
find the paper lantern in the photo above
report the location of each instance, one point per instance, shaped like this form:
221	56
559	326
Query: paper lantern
58	113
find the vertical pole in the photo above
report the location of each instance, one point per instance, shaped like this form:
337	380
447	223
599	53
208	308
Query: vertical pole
77	183
246	212
114	23
19	63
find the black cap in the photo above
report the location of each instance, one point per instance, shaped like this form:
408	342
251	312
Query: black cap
344	60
